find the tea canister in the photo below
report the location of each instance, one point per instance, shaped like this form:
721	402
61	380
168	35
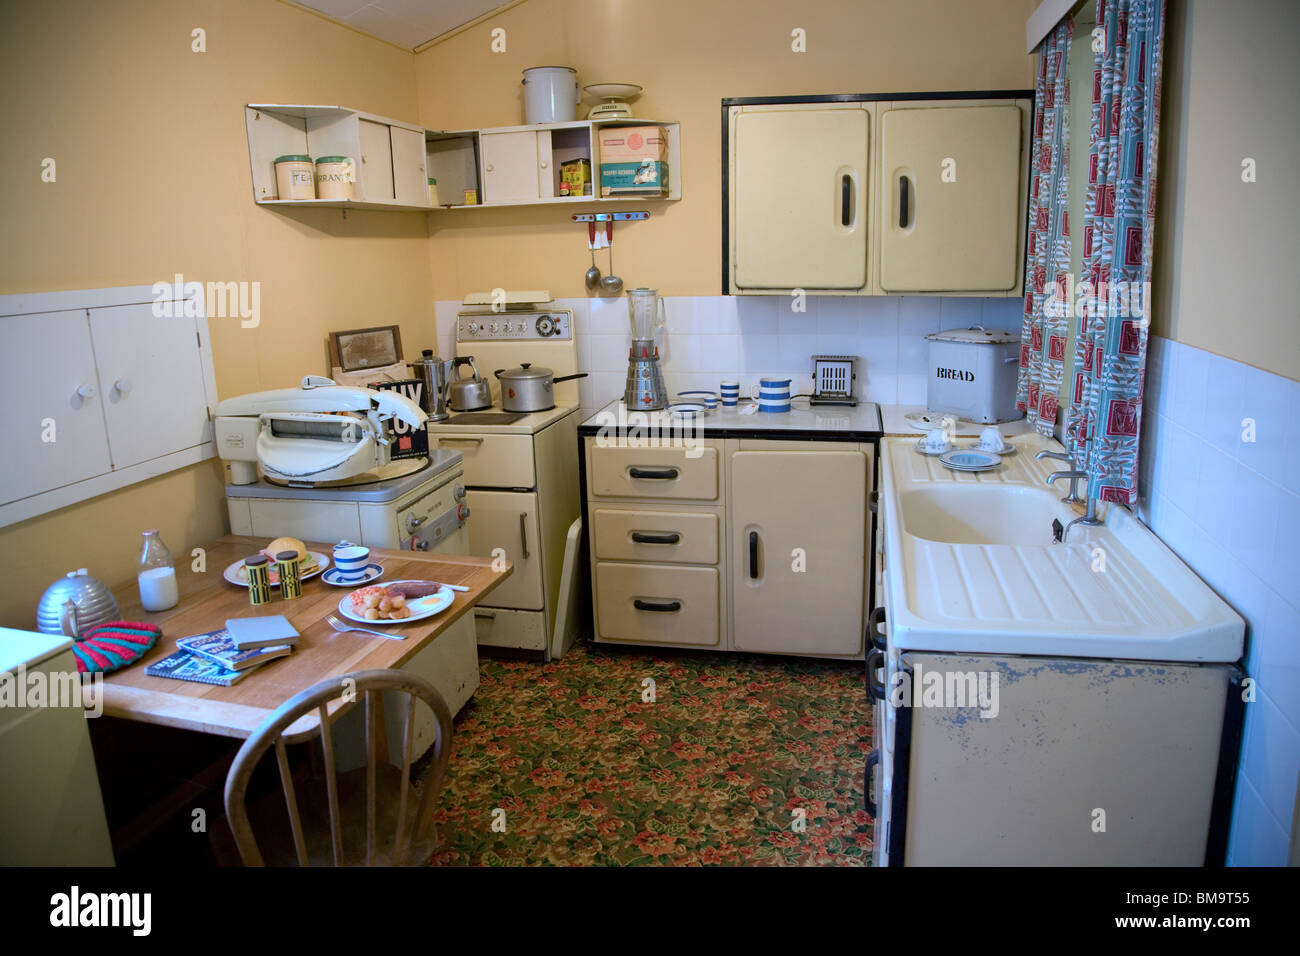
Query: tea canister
286	565
259	580
74	603
336	178
295	177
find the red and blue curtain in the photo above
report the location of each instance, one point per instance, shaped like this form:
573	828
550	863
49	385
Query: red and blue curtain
1119	222
1045	329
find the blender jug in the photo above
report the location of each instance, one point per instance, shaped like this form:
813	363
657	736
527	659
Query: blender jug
646	312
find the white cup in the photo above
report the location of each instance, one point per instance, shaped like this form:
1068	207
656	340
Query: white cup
991	439
351	561
936	440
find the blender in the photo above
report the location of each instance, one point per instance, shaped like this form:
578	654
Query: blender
645	381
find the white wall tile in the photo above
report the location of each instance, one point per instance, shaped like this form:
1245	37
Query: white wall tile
1266	399
1003	313
1225	393
607	315
838	315
918	315
960	313
756	314
912	389
608	352
1256	839
1190	378
1255	505
1270	756
879	318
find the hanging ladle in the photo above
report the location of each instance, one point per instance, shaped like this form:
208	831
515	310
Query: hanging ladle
611	284
592	278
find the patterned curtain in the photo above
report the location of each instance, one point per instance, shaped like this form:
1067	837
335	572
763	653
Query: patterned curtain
1119	222
1044	329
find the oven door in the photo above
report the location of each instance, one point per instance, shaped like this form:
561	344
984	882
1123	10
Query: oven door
504	524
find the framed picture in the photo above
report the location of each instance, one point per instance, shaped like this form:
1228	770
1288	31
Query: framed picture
357	349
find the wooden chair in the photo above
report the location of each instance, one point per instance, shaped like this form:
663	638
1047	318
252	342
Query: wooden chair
380	789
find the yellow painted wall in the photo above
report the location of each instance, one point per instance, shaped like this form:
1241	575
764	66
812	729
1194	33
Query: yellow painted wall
1224	257
153	179
688	55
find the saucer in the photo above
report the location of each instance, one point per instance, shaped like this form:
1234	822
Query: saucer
922	450
332	577
1007	449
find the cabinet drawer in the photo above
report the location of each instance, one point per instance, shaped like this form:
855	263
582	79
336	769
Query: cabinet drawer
647	603
491	461
689	538
654	472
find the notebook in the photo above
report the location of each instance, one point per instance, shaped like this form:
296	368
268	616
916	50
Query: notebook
182	665
265	631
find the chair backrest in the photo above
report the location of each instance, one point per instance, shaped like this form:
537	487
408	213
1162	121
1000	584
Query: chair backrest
368	686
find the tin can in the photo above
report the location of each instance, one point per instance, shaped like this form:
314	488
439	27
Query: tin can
259	579
286	563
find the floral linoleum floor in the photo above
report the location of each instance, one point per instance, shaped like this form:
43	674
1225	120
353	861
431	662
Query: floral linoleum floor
737	760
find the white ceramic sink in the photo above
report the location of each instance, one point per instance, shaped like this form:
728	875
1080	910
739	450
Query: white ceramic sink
982	513
971	566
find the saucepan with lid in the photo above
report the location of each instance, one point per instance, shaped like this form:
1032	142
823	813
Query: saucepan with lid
529	388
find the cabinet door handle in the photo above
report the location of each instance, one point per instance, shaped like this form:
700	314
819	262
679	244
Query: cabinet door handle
523	533
875	685
459	441
753	554
875	628
904	197
643	537
664	607
846	200
659	474
873	758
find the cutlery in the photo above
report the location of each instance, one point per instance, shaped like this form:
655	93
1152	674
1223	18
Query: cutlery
343	626
592	278
611	285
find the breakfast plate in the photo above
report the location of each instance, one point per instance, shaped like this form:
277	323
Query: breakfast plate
421	608
237	574
968	459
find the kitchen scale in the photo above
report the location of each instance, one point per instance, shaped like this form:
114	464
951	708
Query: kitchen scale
614	94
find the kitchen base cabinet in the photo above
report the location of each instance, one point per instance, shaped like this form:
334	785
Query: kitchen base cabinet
798	550
736	544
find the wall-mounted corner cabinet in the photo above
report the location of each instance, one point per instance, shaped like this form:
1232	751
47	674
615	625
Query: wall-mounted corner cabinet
876	195
503	166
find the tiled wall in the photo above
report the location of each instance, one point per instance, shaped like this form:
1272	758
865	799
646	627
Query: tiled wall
1230	507
711	338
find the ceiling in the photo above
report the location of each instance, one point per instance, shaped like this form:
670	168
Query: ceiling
407	23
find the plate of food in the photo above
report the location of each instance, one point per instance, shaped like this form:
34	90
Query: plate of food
310	563
400	602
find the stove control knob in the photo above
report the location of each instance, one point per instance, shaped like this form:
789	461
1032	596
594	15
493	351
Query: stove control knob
414	521
421	545
462	511
459	492
493	328
545	326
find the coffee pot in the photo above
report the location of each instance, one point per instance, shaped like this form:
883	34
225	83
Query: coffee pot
437	383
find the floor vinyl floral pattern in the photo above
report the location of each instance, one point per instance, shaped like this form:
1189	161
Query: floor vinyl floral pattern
584	761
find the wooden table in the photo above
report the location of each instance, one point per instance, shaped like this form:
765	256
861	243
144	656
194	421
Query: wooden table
207	600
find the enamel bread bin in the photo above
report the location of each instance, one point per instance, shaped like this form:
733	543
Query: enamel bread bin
973	374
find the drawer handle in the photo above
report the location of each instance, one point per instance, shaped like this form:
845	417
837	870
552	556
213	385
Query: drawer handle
523	532
875	685
659	474
460	441
664	607
846	200
873	758
644	537
875	627
753	554
904	213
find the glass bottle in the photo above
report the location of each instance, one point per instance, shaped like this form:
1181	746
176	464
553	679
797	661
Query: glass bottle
155	575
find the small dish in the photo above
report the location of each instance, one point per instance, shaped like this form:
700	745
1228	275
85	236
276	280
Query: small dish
922	450
924	421
333	576
968	460
687	410
697	396
1007	449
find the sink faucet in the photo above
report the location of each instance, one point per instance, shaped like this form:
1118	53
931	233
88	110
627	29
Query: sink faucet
1074	474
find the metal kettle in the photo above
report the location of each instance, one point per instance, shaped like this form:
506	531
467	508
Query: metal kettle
468	395
437	382
75	603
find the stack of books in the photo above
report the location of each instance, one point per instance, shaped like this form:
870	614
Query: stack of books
227	656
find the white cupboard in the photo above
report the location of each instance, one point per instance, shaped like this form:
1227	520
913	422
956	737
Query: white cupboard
517	166
103	388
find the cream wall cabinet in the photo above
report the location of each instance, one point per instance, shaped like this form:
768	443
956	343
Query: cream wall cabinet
517	166
669	528
876	195
951	216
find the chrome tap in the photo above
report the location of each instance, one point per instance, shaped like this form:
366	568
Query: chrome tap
1074	474
1089	518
